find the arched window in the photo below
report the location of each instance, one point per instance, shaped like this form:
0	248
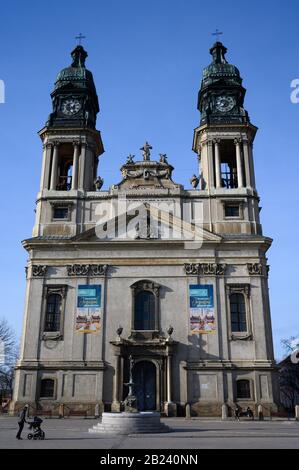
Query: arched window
243	389
65	175
238	313
145	315
47	388
53	312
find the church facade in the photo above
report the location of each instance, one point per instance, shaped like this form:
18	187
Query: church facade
171	280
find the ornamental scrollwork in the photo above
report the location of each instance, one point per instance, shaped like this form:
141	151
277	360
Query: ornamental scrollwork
256	269
205	269
39	270
87	269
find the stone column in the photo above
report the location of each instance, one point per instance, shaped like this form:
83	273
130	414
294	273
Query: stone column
211	164
170	407
199	169
239	163
248	182
116	403
54	171
169	379
42	177
204	180
46	167
89	168
297	412
75	166
251	163
217	163
82	159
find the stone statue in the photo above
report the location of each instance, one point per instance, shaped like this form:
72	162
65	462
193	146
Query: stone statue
194	181
146	151
130	158
169	331
163	158
98	183
131	400
119	331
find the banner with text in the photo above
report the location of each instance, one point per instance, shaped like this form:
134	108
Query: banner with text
202	313
88	315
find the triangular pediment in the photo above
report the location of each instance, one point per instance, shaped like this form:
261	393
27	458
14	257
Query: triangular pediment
161	226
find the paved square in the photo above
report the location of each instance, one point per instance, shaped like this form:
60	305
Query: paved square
186	434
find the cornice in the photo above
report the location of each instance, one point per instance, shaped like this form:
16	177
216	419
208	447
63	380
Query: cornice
61	365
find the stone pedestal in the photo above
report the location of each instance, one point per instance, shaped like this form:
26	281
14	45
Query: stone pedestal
130	423
260	413
188	411
224	412
61	410
297	412
115	407
170	409
98	409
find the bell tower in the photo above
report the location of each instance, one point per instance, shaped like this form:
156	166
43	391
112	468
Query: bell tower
223	143
71	149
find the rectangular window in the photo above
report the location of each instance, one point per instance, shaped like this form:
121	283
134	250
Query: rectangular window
232	210
60	212
53	312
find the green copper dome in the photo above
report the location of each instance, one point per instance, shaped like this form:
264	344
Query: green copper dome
75	85
76	75
221	95
220	69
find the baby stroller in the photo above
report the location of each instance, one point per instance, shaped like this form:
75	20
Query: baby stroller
37	433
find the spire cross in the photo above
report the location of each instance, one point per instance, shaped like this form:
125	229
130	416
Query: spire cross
217	34
80	37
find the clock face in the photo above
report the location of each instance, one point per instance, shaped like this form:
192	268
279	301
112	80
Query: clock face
225	103
70	107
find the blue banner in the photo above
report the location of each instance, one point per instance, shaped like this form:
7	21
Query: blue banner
88	318
202	314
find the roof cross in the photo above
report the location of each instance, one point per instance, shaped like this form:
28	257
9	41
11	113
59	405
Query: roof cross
217	34
80	37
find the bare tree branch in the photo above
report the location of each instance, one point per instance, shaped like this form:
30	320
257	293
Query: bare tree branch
10	354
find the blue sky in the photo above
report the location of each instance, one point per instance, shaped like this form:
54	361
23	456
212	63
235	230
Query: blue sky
147	59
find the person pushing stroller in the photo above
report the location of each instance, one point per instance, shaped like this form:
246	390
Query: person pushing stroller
35	425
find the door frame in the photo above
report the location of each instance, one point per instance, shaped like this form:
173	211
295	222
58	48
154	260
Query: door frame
158	378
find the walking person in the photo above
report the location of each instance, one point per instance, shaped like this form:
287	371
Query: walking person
249	413
22	421
237	413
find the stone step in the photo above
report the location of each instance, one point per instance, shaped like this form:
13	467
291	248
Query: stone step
114	429
126	432
130	423
130	429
